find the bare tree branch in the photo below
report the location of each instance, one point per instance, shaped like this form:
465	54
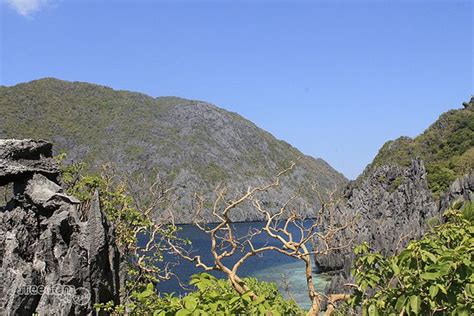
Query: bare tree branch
278	227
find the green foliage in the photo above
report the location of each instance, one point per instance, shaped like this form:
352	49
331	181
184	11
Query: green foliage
433	222
395	184
212	173
213	297
115	201
465	163
398	152
439	178
468	211
432	276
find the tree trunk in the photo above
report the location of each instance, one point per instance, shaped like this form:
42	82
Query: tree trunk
314	296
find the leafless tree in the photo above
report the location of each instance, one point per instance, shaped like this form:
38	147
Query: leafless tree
278	226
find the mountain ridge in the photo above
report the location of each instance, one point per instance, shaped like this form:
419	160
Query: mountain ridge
196	144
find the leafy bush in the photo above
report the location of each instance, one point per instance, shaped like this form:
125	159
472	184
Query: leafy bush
440	178
465	163
395	184
213	297
432	276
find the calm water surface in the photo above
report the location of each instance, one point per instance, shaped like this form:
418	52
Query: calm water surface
285	271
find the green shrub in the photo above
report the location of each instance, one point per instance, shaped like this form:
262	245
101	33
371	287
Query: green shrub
440	178
432	276
395	184
465	163
212	297
468	211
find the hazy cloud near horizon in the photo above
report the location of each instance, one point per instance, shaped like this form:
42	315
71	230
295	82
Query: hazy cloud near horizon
27	7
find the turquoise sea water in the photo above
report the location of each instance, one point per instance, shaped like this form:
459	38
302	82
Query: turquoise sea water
292	281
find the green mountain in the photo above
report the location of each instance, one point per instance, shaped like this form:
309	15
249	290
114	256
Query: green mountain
447	148
195	145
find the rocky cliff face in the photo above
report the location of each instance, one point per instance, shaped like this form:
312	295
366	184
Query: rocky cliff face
54	260
393	205
390	207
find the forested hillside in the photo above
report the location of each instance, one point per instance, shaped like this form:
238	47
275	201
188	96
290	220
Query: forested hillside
194	145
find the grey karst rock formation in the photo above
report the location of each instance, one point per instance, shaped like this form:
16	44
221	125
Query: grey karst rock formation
394	205
53	260
389	207
462	188
390	204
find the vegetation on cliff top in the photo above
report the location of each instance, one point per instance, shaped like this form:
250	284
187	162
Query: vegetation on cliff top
446	147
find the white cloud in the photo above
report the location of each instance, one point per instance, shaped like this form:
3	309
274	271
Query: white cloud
27	7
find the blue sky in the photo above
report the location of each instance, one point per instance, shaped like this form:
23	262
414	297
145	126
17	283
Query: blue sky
336	79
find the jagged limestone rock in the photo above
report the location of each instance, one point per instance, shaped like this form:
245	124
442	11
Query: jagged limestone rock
390	207
51	261
22	158
17	149
391	204
47	194
461	189
394	205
